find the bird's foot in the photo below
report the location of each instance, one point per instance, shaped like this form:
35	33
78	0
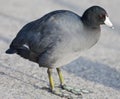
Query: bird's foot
76	91
62	94
68	92
65	94
59	92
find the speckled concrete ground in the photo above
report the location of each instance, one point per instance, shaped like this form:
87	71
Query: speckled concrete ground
98	69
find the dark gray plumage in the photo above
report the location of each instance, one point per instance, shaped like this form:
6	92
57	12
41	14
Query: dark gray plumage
45	35
57	39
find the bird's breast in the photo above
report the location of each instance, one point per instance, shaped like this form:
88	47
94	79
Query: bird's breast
70	47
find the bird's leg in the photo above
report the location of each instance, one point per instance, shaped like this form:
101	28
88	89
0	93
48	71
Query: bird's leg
56	92
49	71
75	91
60	76
63	86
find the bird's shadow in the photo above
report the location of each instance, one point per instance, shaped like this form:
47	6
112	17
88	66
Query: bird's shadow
95	71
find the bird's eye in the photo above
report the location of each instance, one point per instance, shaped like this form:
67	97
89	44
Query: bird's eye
102	16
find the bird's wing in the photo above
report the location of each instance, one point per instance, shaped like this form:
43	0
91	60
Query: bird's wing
37	34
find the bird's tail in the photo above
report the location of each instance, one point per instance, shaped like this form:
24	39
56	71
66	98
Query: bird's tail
23	52
11	51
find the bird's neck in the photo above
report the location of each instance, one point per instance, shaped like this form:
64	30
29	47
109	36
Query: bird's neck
90	24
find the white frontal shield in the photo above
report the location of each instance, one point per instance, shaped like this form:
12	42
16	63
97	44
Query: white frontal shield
108	22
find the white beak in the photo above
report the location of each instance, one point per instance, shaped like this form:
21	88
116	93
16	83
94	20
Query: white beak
108	22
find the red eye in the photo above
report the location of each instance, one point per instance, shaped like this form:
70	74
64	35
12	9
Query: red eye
101	16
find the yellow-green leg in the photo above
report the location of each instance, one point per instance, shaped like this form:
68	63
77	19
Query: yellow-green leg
61	92
65	87
49	71
60	76
56	92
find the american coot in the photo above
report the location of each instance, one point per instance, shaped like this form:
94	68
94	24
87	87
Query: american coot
57	38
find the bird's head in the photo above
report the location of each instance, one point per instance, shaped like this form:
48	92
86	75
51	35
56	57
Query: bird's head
96	16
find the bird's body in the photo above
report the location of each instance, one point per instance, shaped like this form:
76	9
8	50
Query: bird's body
57	38
72	38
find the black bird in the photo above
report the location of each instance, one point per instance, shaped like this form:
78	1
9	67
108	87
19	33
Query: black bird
57	38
